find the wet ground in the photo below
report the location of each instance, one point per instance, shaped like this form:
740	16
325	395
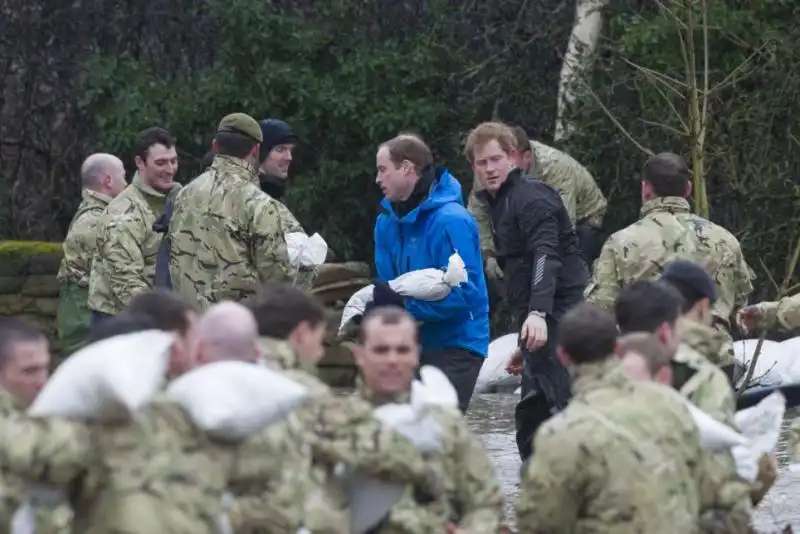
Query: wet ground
491	416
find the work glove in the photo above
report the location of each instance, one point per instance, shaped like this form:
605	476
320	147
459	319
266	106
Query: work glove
384	295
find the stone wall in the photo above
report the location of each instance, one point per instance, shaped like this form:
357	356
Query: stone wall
29	290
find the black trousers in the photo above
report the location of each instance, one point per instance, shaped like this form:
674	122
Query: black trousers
545	390
461	366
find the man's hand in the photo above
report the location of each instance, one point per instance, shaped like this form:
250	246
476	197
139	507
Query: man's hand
534	332
515	363
750	318
493	269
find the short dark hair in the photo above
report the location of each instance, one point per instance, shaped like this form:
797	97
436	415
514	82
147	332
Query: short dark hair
523	143
279	308
647	345
409	147
646	304
13	331
124	323
234	144
668	174
587	333
390	315
149	137
163	308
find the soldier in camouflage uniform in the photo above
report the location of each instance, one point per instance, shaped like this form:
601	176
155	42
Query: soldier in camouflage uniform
654	307
668	231
341	430
781	315
472	501
621	458
127	245
583	199
24	369
103	178
227	235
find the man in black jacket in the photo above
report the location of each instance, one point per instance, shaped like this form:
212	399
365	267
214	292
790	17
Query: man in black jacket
544	272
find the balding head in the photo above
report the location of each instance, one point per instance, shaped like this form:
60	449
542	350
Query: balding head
103	173
226	331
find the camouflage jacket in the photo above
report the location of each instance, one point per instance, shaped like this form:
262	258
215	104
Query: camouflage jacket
80	244
582	197
472	500
125	262
228	236
668	231
783	314
724	496
793	442
344	435
621	458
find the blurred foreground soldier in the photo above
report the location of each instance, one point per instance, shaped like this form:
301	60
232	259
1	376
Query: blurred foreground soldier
275	156
621	458
422	223
666	232
102	179
24	370
654	307
543	270
127	246
227	236
341	431
473	501
585	202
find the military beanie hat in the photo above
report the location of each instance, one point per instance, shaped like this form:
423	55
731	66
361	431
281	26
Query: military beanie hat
243	124
688	274
275	132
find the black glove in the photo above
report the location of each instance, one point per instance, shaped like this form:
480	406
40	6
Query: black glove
383	295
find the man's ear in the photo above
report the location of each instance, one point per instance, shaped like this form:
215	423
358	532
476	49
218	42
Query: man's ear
664	376
563	357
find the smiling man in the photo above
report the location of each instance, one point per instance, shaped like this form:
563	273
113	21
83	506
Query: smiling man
422	223
544	272
127	245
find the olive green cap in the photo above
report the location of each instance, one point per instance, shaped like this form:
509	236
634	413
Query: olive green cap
243	124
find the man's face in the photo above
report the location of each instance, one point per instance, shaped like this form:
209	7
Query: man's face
27	370
492	165
158	170
389	356
278	161
307	341
523	160
116	180
396	182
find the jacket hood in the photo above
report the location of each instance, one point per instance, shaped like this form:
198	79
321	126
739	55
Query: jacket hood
445	189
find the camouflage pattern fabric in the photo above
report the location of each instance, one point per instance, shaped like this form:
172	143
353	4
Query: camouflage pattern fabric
227	236
582	197
793	445
725	497
472	498
125	262
783	314
668	231
579	480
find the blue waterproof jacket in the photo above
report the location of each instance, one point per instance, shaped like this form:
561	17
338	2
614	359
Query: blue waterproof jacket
426	237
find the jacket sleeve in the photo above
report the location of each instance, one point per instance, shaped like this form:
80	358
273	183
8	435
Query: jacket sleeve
122	253
383	258
604	286
456	234
480	210
268	229
538	223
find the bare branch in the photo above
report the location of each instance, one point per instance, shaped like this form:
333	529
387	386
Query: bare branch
668	81
732	78
666	127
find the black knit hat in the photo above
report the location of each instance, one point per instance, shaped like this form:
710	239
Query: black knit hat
689	275
275	132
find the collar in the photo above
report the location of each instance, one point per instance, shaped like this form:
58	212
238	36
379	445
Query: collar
92	196
421	191
237	165
514	177
665	204
704	339
588	377
379	399
272	185
146	189
281	354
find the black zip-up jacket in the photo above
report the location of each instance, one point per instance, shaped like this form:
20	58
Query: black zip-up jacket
537	247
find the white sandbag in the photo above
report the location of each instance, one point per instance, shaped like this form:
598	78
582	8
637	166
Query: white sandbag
761	425
305	251
493	374
423	284
790	349
107	380
370	500
232	400
518	391
772	365
714	436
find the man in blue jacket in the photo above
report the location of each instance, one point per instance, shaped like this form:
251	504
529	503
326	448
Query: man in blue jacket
423	221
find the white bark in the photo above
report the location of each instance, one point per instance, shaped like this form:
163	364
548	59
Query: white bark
582	44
